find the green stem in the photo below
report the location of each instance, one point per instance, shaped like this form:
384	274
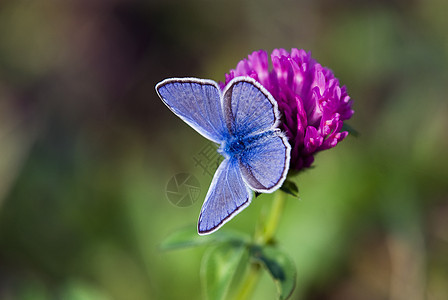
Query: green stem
249	283
264	234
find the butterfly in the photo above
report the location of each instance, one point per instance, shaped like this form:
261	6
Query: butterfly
243	119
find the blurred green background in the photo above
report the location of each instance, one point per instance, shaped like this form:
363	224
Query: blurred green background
87	148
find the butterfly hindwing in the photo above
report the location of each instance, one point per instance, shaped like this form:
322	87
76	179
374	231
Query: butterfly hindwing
227	196
197	102
265	163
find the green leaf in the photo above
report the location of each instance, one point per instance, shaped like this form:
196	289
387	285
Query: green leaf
350	129
280	266
290	187
183	238
189	237
219	266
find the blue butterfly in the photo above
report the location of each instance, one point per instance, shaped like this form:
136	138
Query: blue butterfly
243	120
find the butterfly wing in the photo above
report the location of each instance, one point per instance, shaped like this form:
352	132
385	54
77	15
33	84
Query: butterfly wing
248	107
227	196
265	163
251	114
197	102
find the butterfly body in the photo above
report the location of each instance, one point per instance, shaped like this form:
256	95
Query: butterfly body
234	146
243	120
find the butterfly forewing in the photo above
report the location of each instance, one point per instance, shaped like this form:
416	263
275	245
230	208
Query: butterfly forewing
248	107
197	102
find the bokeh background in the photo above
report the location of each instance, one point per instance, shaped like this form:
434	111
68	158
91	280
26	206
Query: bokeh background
87	149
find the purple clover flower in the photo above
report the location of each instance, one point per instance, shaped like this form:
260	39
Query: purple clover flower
312	103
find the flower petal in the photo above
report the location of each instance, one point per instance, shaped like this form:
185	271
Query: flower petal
312	102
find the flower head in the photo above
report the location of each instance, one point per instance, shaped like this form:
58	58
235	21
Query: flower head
312	103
